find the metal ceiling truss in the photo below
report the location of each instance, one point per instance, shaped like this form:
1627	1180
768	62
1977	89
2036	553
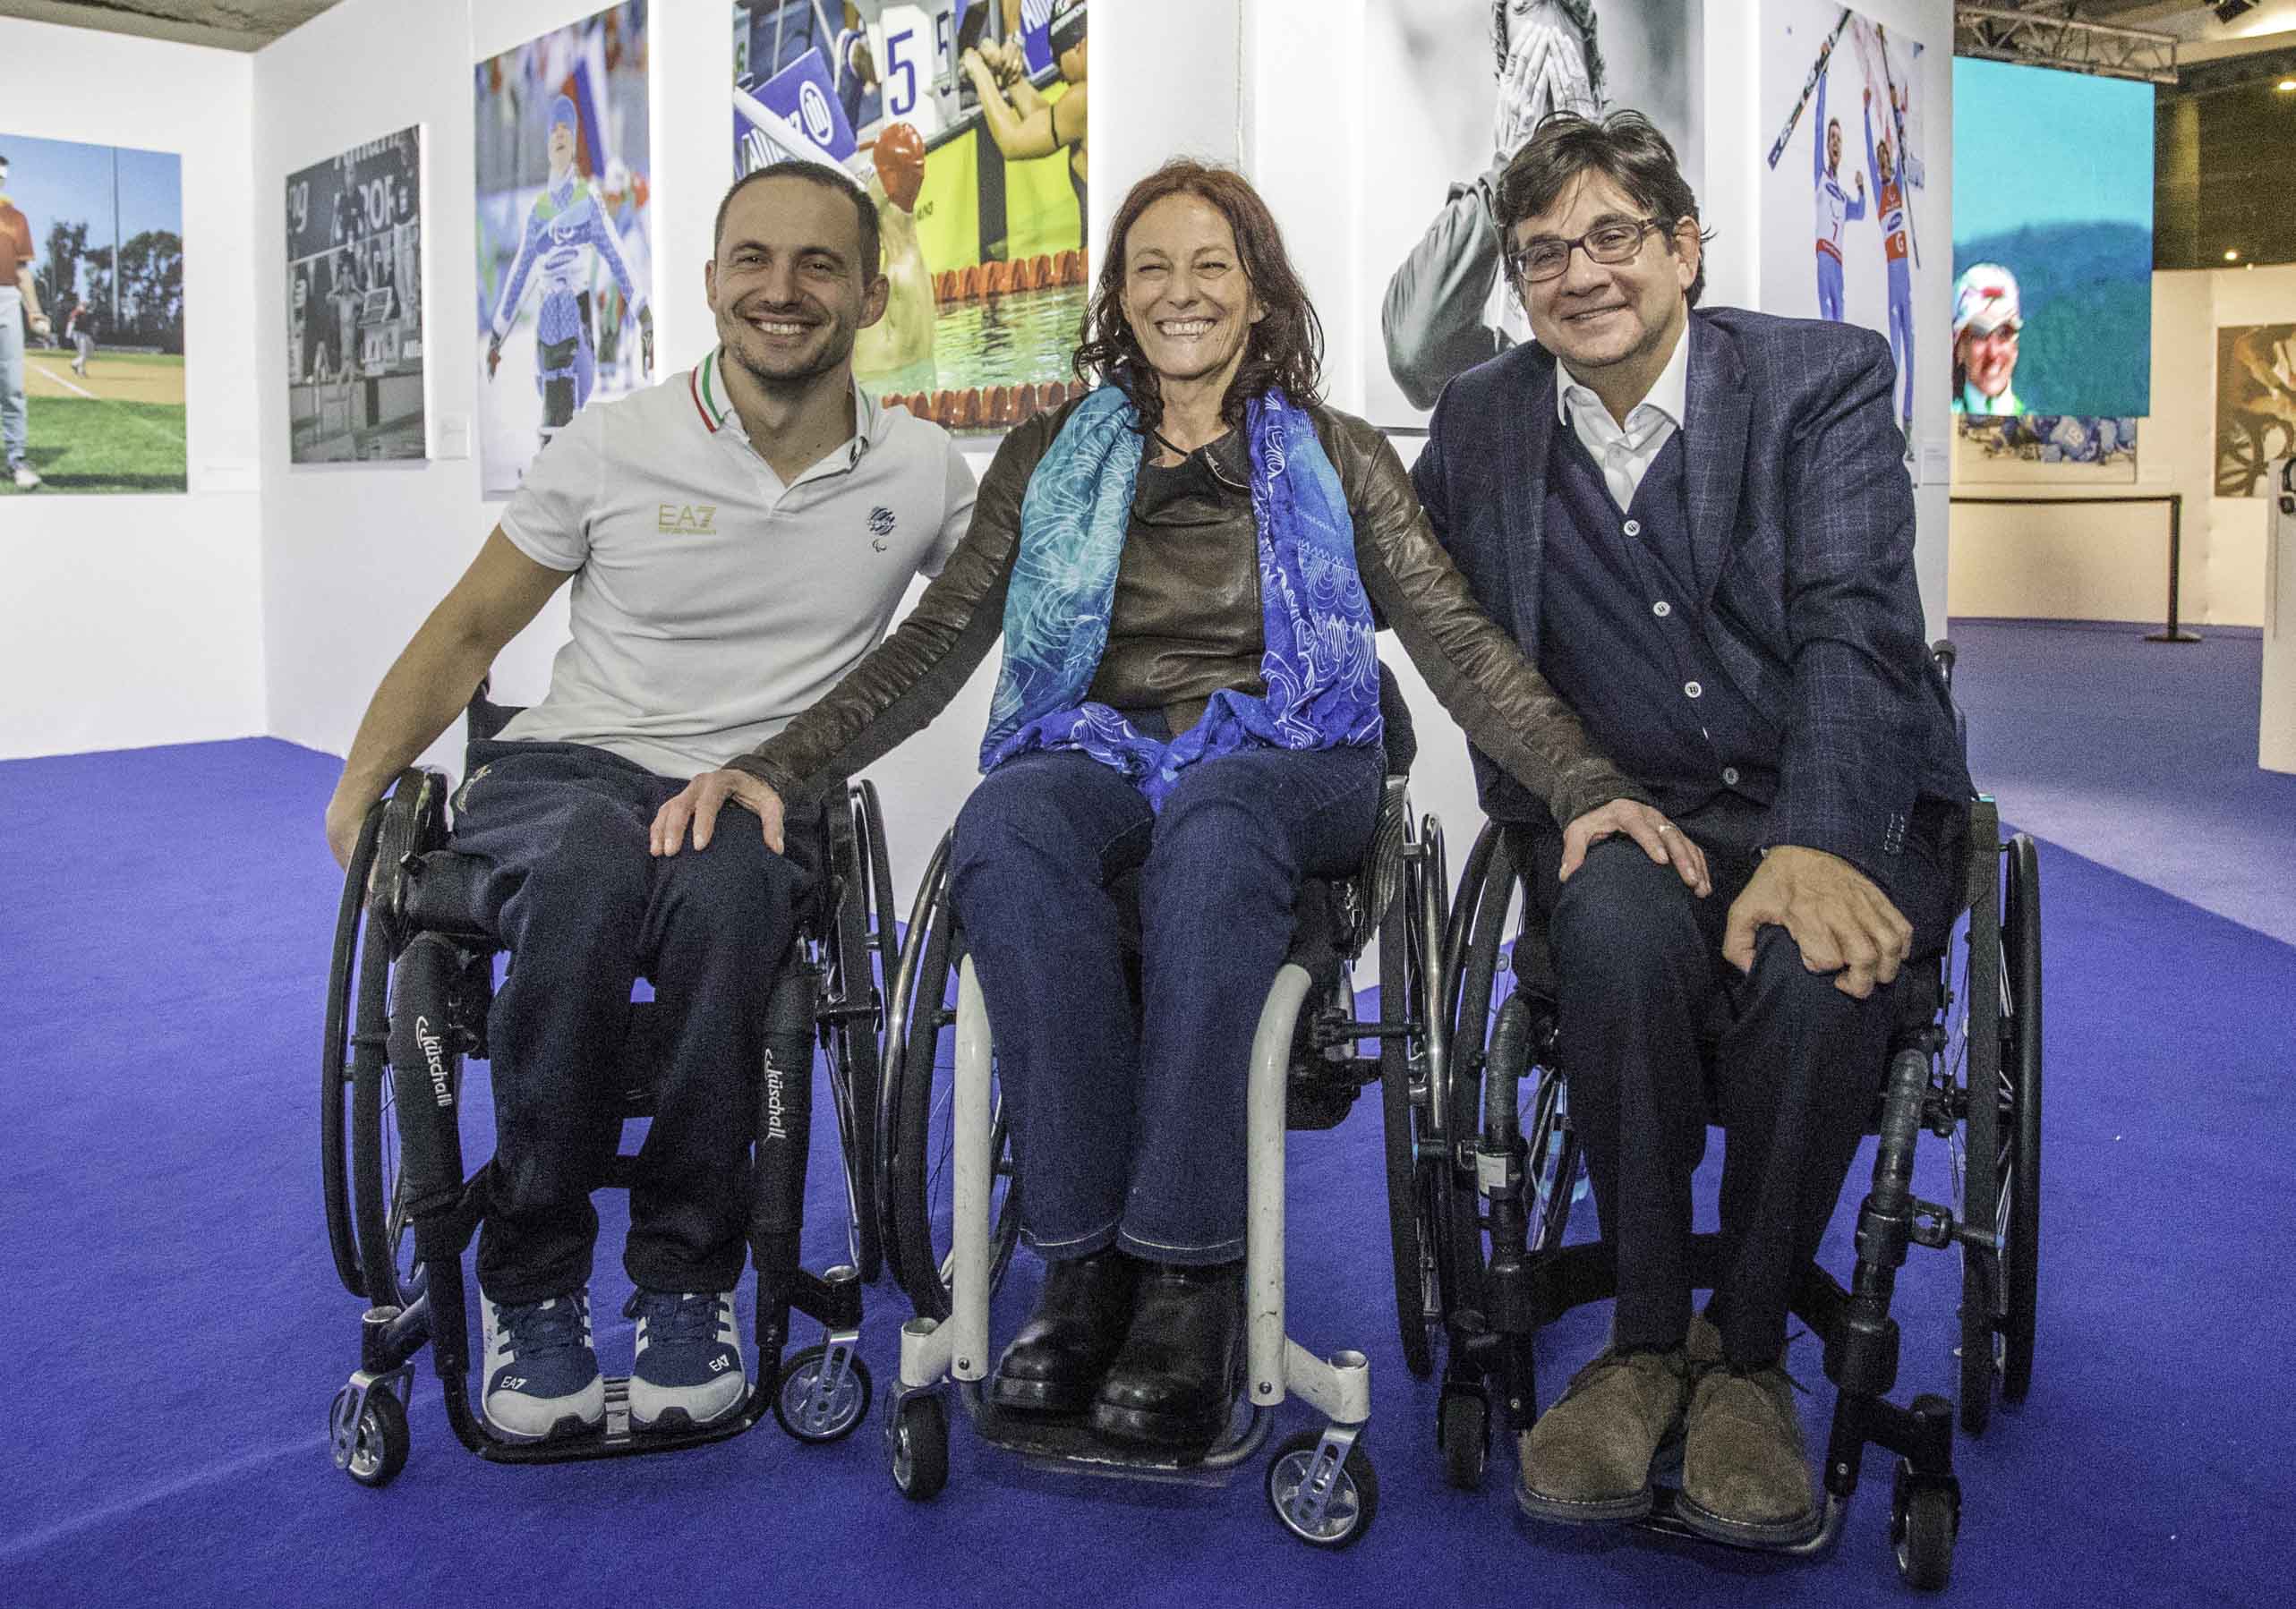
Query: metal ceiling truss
2052	37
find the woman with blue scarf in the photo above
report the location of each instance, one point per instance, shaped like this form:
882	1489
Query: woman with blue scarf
1184	567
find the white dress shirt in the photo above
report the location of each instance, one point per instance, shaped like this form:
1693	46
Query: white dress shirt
1626	456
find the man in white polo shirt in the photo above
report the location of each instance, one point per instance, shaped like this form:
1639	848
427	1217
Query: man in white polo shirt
738	538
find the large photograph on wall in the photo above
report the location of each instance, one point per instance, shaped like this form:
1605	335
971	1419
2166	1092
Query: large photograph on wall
965	120
91	395
355	304
1848	229
1455	87
2255	404
2052	243
565	231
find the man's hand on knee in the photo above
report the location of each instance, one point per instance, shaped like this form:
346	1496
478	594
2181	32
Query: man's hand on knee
700	801
1661	840
1842	922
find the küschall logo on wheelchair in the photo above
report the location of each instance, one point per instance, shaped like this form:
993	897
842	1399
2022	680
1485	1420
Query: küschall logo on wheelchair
440	1090
775	1130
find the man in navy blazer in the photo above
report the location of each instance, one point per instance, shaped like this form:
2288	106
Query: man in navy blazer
1699	527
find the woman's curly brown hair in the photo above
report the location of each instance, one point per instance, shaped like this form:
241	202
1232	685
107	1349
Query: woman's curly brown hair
1284	349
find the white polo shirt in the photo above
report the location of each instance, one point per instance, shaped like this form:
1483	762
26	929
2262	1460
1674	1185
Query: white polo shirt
711	602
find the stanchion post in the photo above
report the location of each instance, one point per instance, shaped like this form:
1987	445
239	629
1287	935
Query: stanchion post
2172	632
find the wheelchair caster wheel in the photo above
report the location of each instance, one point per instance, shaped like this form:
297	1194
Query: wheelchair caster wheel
812	1408
1462	1428
919	1440
1923	1524
373	1451
1322	1503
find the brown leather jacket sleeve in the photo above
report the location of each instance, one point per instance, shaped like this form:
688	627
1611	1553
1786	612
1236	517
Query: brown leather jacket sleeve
1505	706
910	677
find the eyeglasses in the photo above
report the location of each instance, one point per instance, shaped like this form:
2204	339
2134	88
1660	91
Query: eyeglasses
1549	258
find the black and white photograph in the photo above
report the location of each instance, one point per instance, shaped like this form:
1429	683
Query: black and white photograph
354	303
1455	88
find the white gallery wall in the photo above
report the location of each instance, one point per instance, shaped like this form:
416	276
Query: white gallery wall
127	620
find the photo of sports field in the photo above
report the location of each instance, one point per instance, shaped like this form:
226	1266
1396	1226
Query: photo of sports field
101	369
119	426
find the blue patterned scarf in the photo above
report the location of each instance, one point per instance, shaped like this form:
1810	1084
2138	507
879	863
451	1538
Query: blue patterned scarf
1318	661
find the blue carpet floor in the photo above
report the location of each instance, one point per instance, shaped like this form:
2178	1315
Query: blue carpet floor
177	1331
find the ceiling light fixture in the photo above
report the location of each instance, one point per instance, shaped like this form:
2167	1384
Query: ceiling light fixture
2231	257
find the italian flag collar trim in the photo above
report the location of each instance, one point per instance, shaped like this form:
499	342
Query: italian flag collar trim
710	399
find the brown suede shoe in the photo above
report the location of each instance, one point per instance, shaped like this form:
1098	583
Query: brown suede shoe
1745	1475
1588	1457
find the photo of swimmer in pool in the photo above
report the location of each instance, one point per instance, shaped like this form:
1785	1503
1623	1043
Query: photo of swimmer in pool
966	122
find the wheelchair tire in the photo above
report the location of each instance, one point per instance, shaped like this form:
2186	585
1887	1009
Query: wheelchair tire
335	1092
1462	1428
1410	1231
1353	1502
2020	1270
820	1423
918	1447
1922	1527
413	821
915	1114
383	1440
1976	1033
855	1076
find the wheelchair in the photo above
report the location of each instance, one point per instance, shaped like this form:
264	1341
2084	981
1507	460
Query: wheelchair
408	989
952	1210
1497	1172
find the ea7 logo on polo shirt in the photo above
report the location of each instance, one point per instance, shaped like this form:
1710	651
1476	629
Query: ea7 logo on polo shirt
880	526
697	517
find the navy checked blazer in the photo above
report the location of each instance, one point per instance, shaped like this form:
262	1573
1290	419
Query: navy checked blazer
1802	529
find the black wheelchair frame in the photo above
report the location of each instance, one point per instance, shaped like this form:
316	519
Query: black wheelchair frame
1325	1501
1965	1054
409	986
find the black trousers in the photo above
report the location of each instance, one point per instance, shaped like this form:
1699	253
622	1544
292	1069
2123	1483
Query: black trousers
1641	977
585	910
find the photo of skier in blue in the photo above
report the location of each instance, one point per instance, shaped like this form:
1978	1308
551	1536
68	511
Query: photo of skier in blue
1837	208
1888	197
567	224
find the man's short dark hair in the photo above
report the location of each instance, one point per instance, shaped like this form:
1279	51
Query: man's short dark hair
829	178
1626	147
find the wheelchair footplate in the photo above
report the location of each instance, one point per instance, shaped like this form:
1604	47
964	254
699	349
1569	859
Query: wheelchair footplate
1066	1443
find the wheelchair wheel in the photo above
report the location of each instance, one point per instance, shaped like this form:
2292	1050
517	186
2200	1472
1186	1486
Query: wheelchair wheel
919	1127
1350	1502
918	1447
1462	1428
855	1073
1922	1530
379	1443
2019	1216
811	1411
1410	1228
335	1091
1552	1162
413	821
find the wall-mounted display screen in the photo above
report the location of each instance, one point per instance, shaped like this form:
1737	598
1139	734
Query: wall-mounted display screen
2052	241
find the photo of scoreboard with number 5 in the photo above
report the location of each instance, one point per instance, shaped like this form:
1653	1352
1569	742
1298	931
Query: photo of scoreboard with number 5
916	48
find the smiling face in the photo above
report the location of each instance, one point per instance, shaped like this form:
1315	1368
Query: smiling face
786	284
1593	315
1187	298
1990	361
1834	144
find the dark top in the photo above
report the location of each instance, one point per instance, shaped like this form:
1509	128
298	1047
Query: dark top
1647	684
1185	621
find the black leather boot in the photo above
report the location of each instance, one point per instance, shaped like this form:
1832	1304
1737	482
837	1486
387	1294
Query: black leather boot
1175	1381
1060	1354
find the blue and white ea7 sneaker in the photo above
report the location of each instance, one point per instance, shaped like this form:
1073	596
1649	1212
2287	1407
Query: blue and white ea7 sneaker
541	1373
688	1371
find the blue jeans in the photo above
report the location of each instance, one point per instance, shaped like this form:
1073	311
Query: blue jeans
1128	1125
585	910
11	376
